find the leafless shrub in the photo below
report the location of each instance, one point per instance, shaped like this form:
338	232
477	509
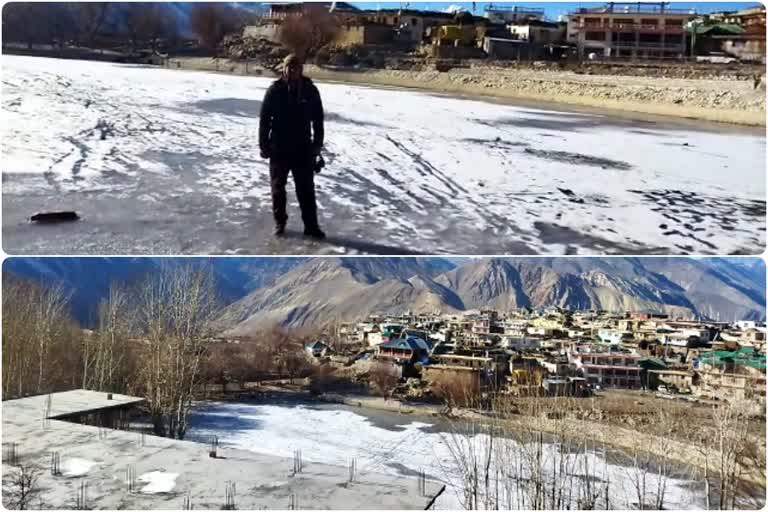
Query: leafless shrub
383	377
457	390
20	487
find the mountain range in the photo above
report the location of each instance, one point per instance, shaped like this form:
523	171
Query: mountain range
306	293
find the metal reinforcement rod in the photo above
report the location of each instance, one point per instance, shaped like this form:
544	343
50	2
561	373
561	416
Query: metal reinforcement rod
142	439
422	482
352	470
229	496
293	502
130	477
298	463
81	501
47	411
188	501
11	453
214	450
55	463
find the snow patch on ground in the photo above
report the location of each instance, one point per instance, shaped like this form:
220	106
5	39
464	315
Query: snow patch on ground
75	467
158	482
426	173
336	436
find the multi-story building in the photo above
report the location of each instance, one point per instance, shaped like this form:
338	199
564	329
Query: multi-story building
732	375
407	350
641	30
609	369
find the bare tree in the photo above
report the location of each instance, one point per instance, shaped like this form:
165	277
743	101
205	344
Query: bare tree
498	465
40	341
88	18
304	34
20	487
105	351
175	313
36	23
285	353
148	22
647	473
212	21
729	448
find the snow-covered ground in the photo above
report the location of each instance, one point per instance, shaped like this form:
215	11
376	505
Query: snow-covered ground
390	443
161	160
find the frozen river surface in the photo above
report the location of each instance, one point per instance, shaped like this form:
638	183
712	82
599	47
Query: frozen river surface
391	443
164	161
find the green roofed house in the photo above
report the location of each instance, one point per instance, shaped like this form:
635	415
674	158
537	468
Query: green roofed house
732	374
730	40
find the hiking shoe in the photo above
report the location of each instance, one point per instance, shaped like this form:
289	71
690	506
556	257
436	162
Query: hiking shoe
315	233
279	230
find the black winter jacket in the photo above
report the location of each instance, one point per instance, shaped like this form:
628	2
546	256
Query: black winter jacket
291	121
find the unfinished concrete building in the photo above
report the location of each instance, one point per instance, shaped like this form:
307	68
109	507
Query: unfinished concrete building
630	31
82	462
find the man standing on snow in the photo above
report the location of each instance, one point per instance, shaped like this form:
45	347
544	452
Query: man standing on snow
291	136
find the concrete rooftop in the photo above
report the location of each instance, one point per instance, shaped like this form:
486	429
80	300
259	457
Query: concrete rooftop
102	458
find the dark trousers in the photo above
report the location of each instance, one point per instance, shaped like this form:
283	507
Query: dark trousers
304	178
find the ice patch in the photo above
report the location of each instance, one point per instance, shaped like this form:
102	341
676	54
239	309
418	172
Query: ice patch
335	436
76	467
421	171
158	482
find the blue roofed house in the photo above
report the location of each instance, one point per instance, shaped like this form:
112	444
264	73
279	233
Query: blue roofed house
317	349
404	350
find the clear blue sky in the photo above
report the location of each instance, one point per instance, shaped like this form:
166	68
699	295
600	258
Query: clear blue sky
552	9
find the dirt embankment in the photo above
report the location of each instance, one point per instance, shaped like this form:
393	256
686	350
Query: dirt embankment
737	98
711	99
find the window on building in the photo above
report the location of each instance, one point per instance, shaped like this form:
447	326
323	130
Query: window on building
594	36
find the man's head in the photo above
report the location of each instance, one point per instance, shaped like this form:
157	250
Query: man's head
293	68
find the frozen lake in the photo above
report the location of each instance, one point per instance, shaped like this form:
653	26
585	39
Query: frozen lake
395	444
164	161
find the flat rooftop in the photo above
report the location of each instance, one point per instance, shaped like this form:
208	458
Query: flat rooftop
169	472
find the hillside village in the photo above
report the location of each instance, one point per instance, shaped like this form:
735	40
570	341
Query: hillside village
556	352
342	34
616	31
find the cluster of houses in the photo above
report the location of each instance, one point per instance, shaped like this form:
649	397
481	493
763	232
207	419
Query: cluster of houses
559	352
632	30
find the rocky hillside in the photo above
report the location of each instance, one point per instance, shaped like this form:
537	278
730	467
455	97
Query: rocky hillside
329	290
307	293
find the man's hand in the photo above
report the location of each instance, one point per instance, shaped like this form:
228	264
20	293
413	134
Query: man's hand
319	164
